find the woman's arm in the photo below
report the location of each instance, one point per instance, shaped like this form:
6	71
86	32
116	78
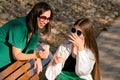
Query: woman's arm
38	65
18	55
84	62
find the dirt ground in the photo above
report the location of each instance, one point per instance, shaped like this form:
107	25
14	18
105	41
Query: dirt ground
109	49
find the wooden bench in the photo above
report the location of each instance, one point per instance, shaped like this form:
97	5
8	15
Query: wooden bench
22	70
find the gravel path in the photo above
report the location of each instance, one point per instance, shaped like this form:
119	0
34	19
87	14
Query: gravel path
109	49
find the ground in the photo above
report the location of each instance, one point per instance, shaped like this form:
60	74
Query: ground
109	50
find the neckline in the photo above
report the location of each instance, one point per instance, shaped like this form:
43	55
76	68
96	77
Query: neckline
29	36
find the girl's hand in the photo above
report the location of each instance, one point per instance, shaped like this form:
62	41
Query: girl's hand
74	51
38	65
58	59
77	41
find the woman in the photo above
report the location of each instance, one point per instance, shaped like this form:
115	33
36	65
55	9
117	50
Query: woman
19	37
77	58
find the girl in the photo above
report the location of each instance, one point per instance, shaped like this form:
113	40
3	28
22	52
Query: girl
77	58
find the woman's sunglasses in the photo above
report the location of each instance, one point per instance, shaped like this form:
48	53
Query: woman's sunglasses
44	18
73	30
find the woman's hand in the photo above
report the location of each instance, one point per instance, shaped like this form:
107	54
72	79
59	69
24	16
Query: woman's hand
43	54
38	65
58	59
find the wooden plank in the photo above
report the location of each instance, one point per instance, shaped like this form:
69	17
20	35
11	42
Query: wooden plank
23	70
20	71
28	75
35	77
10	69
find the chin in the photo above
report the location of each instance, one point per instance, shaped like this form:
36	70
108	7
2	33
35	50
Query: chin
41	27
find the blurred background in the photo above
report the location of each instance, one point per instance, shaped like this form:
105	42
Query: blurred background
103	13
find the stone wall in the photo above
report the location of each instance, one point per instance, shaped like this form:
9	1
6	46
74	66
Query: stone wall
101	12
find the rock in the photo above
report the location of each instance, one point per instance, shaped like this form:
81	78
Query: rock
91	11
4	16
101	12
116	13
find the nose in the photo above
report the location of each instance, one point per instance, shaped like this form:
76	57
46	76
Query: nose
46	21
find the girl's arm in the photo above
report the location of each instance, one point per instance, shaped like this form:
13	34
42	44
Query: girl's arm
85	61
53	70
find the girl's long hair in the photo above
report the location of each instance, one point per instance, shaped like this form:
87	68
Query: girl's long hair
31	18
90	42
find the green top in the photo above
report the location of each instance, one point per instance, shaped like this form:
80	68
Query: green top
15	33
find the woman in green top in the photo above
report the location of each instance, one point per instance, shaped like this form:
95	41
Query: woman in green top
19	37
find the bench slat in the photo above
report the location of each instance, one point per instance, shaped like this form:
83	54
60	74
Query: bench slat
28	75
23	70
35	77
10	69
20	71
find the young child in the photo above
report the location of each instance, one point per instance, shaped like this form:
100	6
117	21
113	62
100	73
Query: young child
77	58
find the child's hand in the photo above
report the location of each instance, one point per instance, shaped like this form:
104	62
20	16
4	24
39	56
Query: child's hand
74	51
58	59
77	41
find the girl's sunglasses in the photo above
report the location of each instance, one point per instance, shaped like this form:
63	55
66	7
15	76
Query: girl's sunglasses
73	30
44	18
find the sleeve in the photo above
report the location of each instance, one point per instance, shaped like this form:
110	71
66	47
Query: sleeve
16	36
85	61
53	71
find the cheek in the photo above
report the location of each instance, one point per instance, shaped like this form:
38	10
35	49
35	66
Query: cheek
82	36
38	24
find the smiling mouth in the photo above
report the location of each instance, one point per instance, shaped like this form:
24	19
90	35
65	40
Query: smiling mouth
42	25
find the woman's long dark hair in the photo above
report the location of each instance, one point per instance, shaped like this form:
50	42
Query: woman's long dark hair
90	42
36	11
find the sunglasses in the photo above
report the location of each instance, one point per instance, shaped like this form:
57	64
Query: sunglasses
44	18
73	30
